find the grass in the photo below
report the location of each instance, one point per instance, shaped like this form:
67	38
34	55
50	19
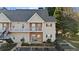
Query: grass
76	45
74	38
37	44
25	44
7	46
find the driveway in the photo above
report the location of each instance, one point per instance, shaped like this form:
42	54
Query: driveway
70	44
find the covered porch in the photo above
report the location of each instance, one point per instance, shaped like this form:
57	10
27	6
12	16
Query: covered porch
36	37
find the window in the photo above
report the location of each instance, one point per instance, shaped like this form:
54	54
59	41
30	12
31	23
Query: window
39	27
4	26
33	27
13	37
22	25
46	35
50	25
51	35
38	36
46	25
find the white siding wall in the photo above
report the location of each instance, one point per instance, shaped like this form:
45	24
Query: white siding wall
18	26
48	31
18	31
36	19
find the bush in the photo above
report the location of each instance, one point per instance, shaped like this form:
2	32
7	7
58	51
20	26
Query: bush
48	40
44	42
25	44
7	46
9	40
37	44
22	40
33	44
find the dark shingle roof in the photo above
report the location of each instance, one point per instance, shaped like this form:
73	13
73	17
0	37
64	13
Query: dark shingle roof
24	15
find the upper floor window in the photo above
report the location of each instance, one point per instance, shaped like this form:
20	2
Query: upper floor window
33	25
48	25
4	26
50	35
39	27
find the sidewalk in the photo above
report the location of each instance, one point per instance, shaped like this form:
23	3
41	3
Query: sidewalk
18	45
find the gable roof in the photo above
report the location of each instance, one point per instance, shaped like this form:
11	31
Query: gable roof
3	18
36	18
25	14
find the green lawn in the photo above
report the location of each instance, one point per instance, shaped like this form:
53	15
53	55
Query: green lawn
7	46
75	38
42	44
74	44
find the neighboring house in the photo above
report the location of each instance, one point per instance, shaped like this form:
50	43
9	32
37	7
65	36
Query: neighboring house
34	26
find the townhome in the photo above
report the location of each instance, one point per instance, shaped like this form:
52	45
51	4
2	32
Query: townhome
34	26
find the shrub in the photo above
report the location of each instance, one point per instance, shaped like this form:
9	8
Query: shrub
33	44
22	40
25	44
36	44
48	40
44	42
9	40
7	46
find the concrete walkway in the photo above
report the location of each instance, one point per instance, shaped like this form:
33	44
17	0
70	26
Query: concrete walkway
18	45
70	44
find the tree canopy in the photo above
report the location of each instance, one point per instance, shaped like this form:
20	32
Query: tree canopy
51	10
65	23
